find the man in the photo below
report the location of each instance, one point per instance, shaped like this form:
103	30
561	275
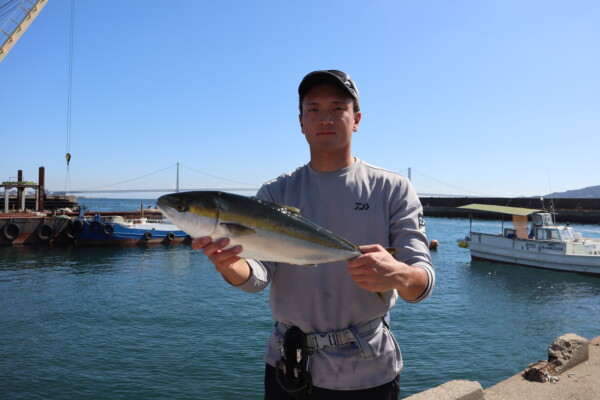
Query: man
337	310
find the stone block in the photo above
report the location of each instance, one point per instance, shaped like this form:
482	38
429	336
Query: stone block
564	353
452	390
567	351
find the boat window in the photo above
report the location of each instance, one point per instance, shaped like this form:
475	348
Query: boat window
547	234
567	233
548	219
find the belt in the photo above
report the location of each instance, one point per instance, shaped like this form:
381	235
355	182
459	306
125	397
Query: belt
351	337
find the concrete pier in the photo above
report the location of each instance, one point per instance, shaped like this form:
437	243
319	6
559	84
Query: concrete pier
576	376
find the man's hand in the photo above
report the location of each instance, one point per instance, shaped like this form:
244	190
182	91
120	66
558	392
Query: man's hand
234	269
377	270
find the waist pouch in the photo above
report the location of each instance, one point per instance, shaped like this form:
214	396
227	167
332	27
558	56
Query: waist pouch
293	373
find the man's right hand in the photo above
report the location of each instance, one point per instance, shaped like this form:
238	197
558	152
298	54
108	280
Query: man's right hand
235	270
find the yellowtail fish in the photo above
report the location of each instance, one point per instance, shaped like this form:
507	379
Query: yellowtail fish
266	231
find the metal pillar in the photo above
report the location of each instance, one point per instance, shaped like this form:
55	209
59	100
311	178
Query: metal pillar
39	192
20	191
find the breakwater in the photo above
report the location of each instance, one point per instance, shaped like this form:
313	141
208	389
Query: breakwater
566	209
571	372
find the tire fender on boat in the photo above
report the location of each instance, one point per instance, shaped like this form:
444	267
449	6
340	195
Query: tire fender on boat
148	235
11	231
108	229
170	236
44	232
76	225
95	227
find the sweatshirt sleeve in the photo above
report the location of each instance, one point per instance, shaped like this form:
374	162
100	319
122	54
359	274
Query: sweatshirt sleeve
260	276
407	233
261	272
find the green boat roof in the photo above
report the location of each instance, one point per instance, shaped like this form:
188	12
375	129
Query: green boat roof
500	209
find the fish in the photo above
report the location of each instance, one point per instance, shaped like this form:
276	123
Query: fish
266	231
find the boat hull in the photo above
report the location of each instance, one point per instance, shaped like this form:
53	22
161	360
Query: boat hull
96	233
532	253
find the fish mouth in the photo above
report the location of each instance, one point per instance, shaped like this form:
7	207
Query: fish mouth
167	211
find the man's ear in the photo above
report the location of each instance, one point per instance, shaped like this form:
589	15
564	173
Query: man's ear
301	123
357	118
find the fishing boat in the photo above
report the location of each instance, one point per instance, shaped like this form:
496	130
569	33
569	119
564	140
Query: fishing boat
538	243
117	231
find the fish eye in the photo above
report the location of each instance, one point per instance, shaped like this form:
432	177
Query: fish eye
179	207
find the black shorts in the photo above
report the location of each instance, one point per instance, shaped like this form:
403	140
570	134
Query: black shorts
387	391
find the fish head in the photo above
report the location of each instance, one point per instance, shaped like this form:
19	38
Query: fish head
195	213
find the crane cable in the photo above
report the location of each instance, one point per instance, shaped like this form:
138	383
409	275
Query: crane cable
70	97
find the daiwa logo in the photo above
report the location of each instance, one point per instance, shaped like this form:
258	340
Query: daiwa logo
361	206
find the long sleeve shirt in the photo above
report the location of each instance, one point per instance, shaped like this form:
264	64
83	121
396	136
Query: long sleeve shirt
365	205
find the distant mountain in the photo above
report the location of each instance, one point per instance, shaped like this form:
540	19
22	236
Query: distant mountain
591	192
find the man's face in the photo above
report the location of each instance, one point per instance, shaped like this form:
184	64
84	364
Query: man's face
328	119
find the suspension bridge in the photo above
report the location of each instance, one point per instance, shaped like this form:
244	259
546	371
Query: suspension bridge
114	187
169	190
232	185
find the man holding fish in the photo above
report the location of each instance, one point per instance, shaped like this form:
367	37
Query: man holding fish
332	337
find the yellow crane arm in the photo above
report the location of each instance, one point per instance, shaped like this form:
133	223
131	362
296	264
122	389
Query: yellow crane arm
16	25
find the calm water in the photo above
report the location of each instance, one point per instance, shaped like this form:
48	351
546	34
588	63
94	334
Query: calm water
160	323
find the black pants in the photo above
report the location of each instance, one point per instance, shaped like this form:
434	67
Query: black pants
388	391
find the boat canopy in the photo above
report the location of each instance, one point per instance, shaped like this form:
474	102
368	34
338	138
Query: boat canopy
500	209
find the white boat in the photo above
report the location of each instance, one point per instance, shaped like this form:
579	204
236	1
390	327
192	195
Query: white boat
539	244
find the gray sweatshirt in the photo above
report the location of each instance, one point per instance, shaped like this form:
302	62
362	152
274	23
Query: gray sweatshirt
365	205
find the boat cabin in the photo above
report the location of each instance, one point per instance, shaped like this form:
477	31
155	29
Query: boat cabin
542	226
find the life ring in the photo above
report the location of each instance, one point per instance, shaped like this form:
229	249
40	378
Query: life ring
95	227
148	235
108	229
76	225
170	236
11	231
44	232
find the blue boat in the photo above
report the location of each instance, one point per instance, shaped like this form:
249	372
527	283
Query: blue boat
117	231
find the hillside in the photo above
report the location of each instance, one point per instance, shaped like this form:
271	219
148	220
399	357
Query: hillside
591	192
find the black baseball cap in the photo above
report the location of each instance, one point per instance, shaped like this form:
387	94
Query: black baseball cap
332	76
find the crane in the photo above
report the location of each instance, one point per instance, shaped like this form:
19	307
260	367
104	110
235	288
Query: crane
18	22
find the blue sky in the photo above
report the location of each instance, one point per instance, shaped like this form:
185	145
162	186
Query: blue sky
496	98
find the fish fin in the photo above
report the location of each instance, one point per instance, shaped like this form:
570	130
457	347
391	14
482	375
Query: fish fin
291	209
391	250
237	229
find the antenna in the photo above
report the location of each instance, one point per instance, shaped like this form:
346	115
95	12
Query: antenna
551	196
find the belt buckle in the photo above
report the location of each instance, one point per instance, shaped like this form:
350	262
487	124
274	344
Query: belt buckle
322	340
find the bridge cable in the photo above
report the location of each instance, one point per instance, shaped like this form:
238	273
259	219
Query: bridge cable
218	177
133	179
447	184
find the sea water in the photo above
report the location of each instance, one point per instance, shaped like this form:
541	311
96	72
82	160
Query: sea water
160	323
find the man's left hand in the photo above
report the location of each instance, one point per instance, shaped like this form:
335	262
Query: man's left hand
377	270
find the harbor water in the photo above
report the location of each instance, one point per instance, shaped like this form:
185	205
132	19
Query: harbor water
160	323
